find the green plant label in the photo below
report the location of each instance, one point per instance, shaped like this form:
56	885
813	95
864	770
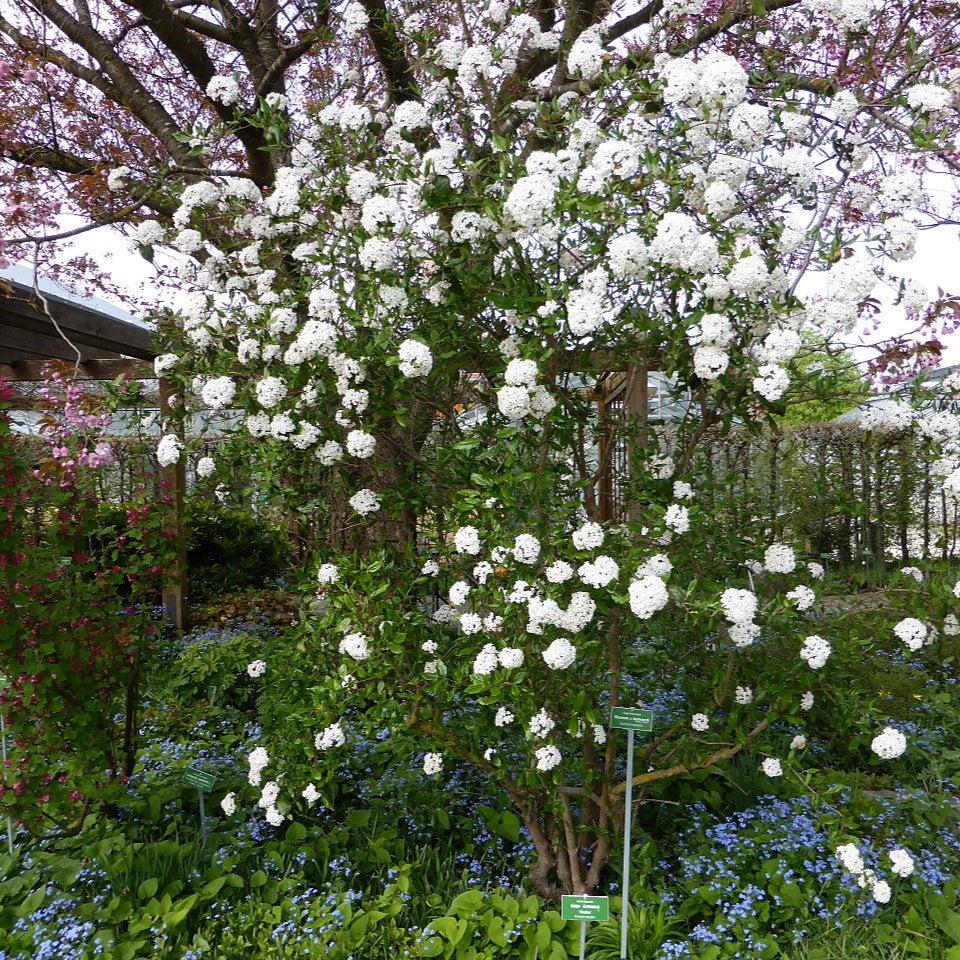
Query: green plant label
631	718
4	681
585	908
199	779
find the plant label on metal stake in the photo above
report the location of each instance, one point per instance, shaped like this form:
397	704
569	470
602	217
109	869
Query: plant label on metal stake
586	910
204	783
630	719
4	684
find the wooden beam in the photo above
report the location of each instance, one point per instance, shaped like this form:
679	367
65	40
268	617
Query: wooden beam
25	371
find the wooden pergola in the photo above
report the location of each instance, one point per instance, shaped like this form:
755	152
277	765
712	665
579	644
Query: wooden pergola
38	325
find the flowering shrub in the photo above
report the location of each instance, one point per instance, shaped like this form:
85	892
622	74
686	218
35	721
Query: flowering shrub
77	600
419	306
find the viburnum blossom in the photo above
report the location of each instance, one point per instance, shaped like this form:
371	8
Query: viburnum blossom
889	744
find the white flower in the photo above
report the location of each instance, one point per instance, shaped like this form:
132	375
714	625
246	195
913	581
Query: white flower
881	891
780	558
327	573
355	645
799	742
710	361
206	466
658	565
257	668
416	360
677	518
520	373
430	569
310	793
410	115
503	717
739	606
771	382
588	537
599	572
467	540
585	58
889	744
928	98
229	804
802	597
912	632
360	444
258	759
815	570
270	391
459	593
700	722
850	857
168	450
526	548
815	651
547	757
743	695
432	764
682	490
531	199
510	658
648	595
560	654
164	362
772	767
558	572
329	737
355	19
274	816
365	502
541	724
486	661
218	392
269	794
223	90
902	862
806	701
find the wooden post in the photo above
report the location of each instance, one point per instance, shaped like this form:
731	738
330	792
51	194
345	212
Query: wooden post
174	481
635	411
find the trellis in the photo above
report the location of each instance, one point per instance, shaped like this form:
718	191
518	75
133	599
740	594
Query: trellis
35	329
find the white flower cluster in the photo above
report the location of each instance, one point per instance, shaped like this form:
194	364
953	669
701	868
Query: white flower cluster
355	645
330	737
816	651
522	396
560	654
889	744
912	632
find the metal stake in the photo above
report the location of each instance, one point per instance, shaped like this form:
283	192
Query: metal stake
3	746
583	938
203	819
627	822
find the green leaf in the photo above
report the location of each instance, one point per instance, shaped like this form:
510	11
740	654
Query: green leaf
467	903
948	921
257	879
296	832
148	888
